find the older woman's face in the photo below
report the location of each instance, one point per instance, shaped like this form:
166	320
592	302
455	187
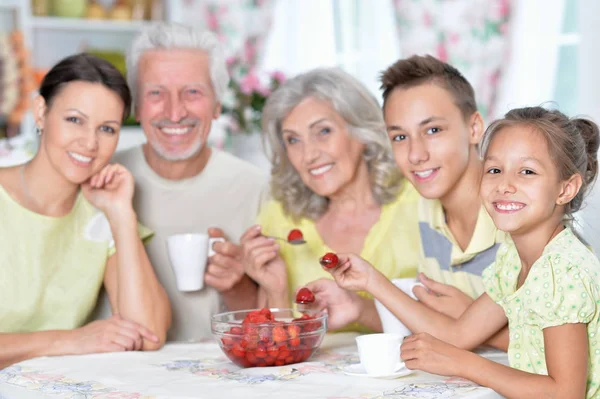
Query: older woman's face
319	147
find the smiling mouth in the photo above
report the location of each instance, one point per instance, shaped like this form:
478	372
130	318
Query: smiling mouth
425	174
82	159
176	131
321	170
508	207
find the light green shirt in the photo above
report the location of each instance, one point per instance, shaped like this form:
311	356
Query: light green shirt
51	268
562	287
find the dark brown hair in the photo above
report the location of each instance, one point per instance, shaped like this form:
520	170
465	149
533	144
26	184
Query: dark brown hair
418	70
572	143
87	68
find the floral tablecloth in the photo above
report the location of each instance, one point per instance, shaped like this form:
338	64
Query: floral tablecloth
200	370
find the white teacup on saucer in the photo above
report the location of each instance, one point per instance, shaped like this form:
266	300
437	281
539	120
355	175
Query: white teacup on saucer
379	353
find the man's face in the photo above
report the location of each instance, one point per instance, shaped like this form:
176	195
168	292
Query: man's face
176	102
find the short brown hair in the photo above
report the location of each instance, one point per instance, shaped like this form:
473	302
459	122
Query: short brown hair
417	70
572	142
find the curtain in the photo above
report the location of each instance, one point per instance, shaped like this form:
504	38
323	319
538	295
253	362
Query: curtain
242	25
469	34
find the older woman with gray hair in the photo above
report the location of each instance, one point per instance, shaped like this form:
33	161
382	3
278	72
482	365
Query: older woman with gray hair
335	180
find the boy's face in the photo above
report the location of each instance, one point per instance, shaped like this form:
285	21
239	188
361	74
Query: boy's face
430	138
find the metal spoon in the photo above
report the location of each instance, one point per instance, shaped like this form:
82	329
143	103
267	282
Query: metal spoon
293	242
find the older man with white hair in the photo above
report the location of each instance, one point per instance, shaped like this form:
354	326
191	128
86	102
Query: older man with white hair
178	77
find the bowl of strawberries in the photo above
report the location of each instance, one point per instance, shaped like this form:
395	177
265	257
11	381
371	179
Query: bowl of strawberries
269	337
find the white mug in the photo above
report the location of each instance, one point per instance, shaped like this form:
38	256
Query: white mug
188	254
389	322
379	353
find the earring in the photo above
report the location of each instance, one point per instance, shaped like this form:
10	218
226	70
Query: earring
38	131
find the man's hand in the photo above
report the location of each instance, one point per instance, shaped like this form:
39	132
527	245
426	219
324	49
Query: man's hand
224	269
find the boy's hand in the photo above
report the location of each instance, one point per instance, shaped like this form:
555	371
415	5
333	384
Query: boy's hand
353	273
442	298
343	307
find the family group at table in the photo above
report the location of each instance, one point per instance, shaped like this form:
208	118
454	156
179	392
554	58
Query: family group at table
418	188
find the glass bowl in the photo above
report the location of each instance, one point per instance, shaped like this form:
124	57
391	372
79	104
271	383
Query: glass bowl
250	340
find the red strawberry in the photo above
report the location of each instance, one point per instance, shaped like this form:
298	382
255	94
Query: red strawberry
293	331
305	295
329	260
295	235
267	313
236	330
238	350
279	334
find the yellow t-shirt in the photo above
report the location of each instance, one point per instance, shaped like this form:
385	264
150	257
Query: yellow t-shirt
391	246
444	261
51	268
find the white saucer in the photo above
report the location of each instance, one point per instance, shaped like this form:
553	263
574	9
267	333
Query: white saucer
359	371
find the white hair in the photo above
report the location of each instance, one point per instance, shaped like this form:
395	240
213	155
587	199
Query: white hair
176	36
364	119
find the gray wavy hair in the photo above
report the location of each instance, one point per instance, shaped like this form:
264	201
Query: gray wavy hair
176	36
364	120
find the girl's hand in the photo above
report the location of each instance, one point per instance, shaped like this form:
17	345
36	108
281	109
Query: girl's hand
424	352
353	273
111	335
262	262
343	307
110	190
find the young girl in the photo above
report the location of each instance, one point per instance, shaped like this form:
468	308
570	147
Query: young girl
68	227
538	166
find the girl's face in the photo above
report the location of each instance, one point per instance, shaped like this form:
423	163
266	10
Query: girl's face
521	187
80	129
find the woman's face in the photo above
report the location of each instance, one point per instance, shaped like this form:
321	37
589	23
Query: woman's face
80	129
319	147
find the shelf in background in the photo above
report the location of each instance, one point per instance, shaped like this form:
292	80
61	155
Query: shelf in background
82	24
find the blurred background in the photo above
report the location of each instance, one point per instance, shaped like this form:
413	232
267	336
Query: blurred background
515	53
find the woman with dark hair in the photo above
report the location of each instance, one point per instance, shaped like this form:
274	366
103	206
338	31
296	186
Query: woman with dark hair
68	227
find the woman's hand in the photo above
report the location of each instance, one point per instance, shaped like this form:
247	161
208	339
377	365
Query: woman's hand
111	335
110	190
353	273
343	307
424	352
262	261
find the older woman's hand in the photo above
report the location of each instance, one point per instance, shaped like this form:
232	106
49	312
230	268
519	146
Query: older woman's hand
343	307
263	263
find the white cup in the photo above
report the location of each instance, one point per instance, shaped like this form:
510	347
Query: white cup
188	254
389	322
379	353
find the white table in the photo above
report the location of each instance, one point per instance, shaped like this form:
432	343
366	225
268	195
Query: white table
200	370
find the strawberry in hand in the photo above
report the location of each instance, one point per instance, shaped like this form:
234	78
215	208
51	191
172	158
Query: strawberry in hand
329	260
305	295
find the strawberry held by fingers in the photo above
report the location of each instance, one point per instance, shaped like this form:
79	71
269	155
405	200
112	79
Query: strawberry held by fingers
305	295
329	260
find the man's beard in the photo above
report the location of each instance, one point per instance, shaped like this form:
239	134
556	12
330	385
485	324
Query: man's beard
187	154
